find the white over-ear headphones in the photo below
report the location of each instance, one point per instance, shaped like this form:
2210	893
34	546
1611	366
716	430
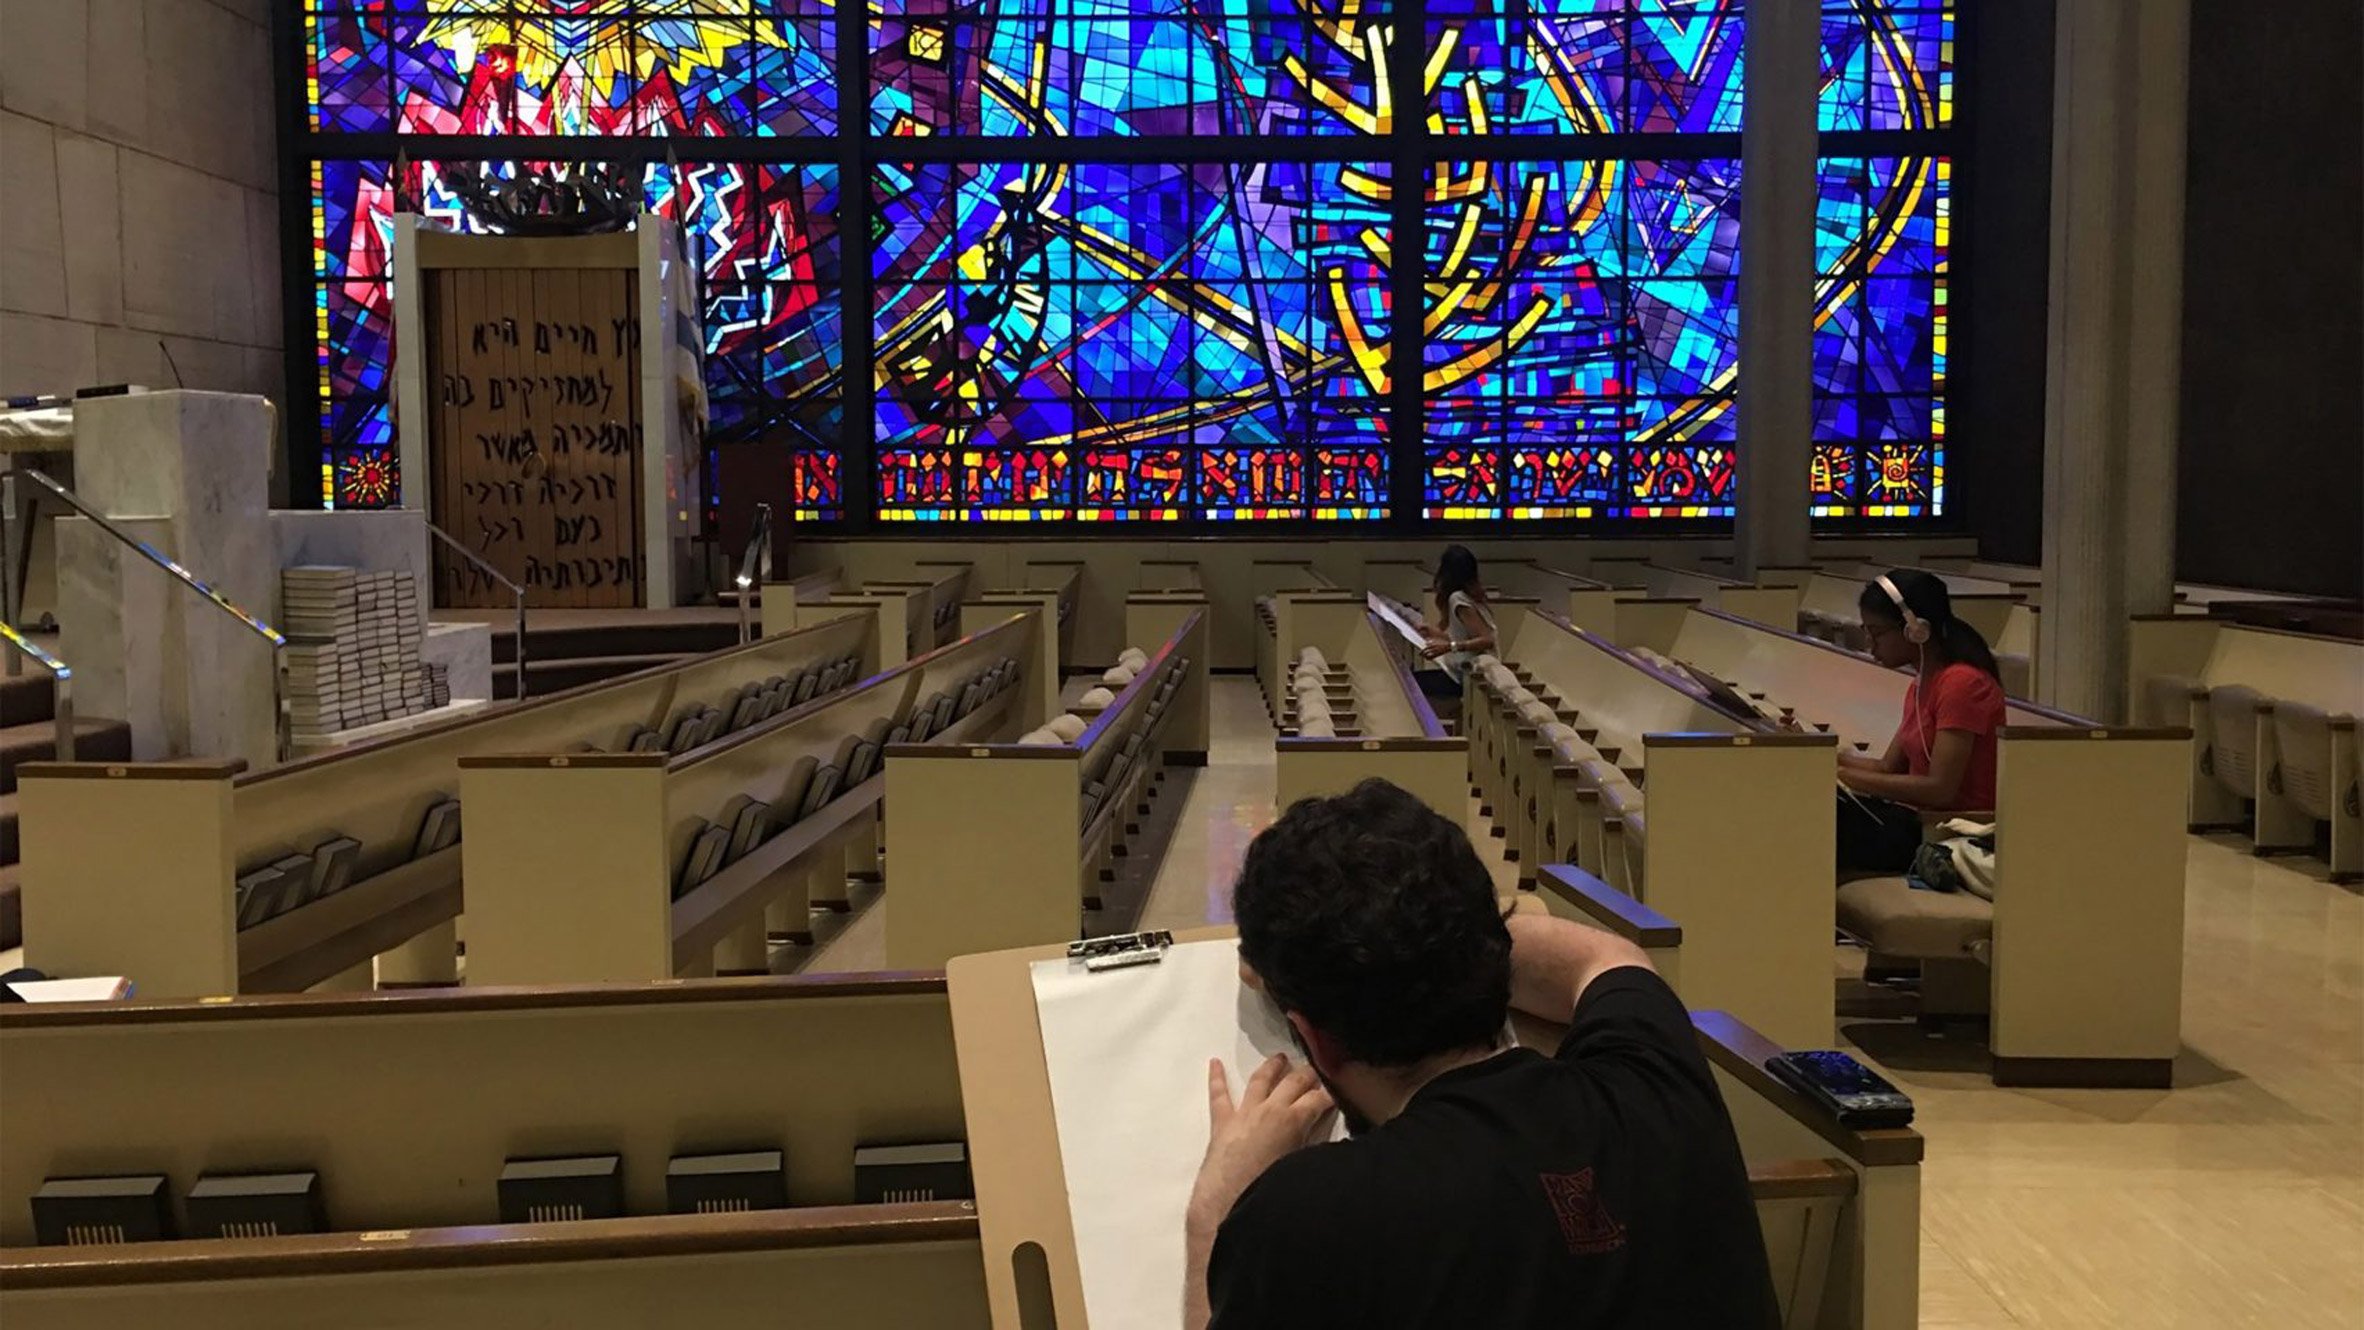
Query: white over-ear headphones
1916	628
1916	631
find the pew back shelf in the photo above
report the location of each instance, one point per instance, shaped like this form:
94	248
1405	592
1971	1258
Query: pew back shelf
1388	730
1016	839
616	867
407	1106
204	826
2089	866
1587	753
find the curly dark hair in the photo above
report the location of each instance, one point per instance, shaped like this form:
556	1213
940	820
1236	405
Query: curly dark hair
1373	917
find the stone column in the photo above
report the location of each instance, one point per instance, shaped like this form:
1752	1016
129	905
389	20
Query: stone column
2113	362
189	474
1776	379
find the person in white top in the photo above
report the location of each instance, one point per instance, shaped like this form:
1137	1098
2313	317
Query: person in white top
1462	631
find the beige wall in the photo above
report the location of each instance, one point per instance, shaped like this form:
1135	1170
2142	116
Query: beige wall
138	195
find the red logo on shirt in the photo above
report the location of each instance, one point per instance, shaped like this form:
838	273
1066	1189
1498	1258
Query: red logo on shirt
1586	1225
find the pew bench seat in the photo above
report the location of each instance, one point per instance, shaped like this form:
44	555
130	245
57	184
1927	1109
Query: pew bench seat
1895	919
2273	721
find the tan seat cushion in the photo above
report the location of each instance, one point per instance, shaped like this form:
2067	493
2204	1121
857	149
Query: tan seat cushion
1927	925
1573	749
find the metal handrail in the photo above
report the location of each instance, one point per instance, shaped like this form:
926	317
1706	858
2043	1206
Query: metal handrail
62	690
172	569
452	542
757	555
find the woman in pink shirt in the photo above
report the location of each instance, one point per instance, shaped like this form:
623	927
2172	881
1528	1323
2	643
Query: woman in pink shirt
1943	756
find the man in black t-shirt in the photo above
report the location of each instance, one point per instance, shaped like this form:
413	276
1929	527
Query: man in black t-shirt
1483	1186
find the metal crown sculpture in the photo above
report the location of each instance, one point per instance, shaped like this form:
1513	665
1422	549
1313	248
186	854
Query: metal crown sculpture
586	200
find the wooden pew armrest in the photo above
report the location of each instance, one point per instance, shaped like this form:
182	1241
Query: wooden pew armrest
1742	1054
1611	910
1800	1180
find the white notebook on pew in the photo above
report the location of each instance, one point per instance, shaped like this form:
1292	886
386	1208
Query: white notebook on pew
103	988
1127	1053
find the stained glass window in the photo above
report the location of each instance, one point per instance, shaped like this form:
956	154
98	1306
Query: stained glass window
1882	235
745	68
1887	64
766	240
1582	335
1584	66
1131	341
1062	326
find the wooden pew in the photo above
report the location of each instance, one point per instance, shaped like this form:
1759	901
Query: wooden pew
880	1267
1270	579
931	601
2015	645
1839	1209
1407	583
781	596
1829	607
2273	718
1392	732
1959	581
1773	602
1159	616
1065	577
2194	598
1291	575
1733	838
619	867
1282	640
407	1105
1833	598
163	906
2089	865
1268	661
1586	602
1860	1267
1043	675
1011	842
1568	892
1171	575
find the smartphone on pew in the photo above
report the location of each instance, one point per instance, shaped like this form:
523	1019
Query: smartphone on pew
1860	1098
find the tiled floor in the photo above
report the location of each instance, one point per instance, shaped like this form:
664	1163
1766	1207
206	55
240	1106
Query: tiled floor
2236	1200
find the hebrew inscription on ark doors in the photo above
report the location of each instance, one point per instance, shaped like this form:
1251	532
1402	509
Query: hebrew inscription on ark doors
536	433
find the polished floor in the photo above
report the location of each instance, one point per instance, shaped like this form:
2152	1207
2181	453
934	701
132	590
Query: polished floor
2234	1200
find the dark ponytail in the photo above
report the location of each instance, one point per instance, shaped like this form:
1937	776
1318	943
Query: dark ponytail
1966	644
1928	598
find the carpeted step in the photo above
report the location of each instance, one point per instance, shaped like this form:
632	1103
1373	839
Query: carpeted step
94	741
28	697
